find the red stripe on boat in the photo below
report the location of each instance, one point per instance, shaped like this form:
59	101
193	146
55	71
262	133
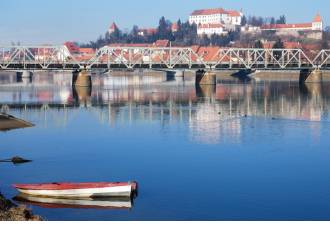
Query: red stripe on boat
71	206
68	186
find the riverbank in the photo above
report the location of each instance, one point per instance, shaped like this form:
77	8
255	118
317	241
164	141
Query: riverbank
11	212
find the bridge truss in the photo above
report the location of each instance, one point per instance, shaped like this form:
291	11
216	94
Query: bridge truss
60	58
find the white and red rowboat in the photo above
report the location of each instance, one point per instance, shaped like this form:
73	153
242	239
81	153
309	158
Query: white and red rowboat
79	190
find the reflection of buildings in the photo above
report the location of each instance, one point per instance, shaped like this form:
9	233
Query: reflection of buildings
205	124
214	122
212	114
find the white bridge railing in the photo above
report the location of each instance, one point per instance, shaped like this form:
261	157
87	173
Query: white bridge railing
59	57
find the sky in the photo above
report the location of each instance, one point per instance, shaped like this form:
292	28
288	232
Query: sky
54	22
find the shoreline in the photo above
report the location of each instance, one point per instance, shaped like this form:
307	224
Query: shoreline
12	212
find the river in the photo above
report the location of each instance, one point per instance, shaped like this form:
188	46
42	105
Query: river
235	151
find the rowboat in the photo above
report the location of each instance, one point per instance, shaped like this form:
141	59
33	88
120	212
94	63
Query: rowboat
79	190
9	122
86	203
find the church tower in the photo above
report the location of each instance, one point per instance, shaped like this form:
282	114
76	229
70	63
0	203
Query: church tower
317	23
112	28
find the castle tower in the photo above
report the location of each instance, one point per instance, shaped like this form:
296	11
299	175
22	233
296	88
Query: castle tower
113	28
317	23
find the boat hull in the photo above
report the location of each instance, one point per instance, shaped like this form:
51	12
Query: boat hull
79	190
118	191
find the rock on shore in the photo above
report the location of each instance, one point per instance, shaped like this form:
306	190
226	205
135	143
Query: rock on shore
11	212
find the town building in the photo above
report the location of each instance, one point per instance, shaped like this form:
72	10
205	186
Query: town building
250	29
222	16
147	31
112	28
210	29
175	27
313	29
206	19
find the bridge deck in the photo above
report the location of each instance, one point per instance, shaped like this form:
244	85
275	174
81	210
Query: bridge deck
60	58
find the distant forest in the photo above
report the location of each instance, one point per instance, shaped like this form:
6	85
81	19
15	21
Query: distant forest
186	34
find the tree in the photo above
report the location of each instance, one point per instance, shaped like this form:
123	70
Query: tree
278	45
272	21
258	44
325	40
281	20
244	20
205	40
164	29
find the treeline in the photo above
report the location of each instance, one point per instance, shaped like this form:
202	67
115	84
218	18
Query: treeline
259	21
186	35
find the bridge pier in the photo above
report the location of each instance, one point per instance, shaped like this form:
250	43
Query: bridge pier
180	74
206	91
82	95
173	74
206	78
20	75
310	76
82	78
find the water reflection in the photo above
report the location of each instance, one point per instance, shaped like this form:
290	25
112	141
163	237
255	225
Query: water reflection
82	95
102	203
8	122
213	112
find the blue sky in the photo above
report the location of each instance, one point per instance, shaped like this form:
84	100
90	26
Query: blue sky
39	21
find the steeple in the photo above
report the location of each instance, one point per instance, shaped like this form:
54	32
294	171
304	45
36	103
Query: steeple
317	23
317	18
113	27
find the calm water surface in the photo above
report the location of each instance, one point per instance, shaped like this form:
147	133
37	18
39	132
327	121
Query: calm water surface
237	151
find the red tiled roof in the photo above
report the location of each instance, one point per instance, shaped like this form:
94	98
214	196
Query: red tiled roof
317	18
113	26
162	43
292	45
233	13
129	45
72	47
148	30
268	44
287	26
87	50
209	12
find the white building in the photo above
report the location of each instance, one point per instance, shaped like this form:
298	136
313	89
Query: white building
315	25
215	21
210	29
250	29
207	16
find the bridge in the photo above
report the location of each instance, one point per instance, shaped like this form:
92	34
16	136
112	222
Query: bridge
60	58
30	58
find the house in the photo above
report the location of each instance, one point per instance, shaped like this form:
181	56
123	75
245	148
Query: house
147	31
250	29
161	43
86	54
72	47
174	27
210	29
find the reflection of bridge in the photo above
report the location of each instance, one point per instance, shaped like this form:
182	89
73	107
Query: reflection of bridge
213	113
60	58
